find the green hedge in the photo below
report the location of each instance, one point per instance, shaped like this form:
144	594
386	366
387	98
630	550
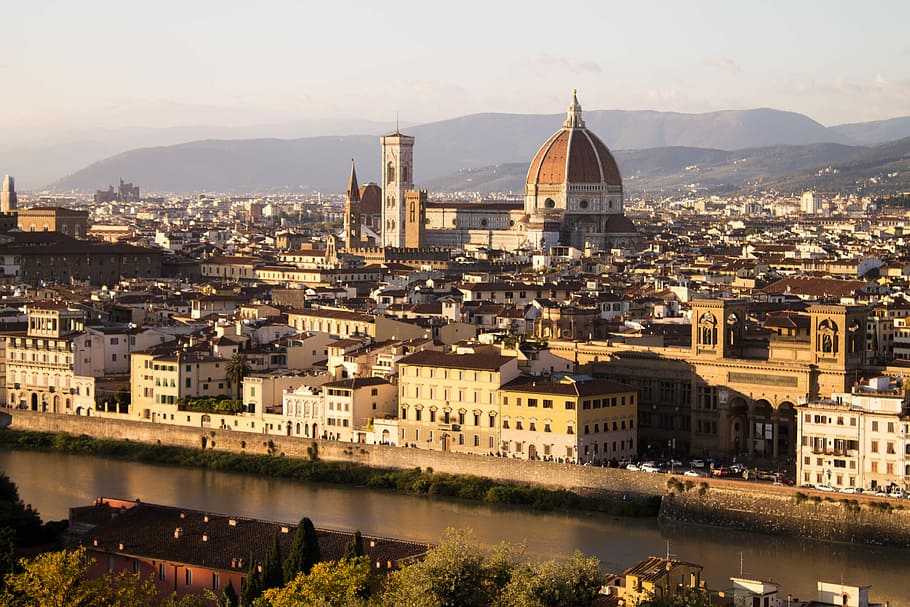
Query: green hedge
414	481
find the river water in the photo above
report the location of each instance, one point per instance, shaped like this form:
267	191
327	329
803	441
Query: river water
53	482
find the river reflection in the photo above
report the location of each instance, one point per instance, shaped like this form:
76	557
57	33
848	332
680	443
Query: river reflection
53	482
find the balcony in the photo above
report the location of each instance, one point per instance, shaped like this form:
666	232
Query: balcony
449	427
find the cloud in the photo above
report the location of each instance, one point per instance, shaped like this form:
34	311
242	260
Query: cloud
850	100
723	63
565	64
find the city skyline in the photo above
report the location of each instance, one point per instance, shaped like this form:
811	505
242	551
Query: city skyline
232	64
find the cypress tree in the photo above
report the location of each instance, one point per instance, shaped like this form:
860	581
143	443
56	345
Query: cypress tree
229	596
354	548
272	574
304	552
251	588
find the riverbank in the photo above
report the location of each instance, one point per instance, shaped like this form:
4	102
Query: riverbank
414	481
551	485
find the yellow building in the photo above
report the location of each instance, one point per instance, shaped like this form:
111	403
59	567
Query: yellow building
570	418
160	378
659	577
342	323
449	401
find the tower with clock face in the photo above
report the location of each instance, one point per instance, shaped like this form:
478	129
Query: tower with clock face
397	178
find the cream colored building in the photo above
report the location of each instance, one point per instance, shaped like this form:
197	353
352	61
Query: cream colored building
856	438
41	362
449	401
341	323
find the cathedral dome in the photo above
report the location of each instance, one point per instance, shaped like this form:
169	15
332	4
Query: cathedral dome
574	155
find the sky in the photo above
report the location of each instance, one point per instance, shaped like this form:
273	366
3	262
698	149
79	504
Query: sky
120	63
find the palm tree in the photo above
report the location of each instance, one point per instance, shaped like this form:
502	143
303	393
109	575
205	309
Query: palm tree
237	368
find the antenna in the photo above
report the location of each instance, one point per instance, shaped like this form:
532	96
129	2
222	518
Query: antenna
740	564
668	550
396	122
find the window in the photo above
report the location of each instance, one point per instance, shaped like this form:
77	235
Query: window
875	426
162	572
532	426
518	425
216	581
547	403
570	405
532	402
189	576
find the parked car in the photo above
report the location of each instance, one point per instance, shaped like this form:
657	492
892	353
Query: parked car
898	493
693	473
697	463
721	471
850	490
649	468
824	488
632	467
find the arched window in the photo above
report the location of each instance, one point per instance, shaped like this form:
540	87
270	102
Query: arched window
390	172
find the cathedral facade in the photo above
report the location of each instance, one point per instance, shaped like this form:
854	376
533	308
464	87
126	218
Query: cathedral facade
573	196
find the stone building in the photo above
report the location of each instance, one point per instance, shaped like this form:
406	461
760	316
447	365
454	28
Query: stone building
732	392
54	219
573	196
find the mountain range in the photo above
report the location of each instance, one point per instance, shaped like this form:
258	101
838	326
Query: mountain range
490	152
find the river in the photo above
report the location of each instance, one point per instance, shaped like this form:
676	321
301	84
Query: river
53	482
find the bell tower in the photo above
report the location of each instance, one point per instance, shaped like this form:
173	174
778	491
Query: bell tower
397	178
352	220
718	326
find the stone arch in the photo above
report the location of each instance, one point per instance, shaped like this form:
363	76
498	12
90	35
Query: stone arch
739	425
707	329
827	337
762	438
34	403
784	429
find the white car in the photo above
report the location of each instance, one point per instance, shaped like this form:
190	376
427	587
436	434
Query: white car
632	467
824	487
693	473
850	490
649	468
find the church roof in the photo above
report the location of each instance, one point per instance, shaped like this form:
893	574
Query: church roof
574	154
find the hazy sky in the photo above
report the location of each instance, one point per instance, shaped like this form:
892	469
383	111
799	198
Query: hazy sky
164	63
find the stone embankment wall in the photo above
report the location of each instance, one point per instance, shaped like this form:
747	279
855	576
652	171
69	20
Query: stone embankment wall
795	512
751	507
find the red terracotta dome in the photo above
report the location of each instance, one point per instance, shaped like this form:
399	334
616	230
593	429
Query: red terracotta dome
574	155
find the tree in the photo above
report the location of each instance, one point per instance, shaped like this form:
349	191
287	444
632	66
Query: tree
272	573
304	552
236	369
329	583
454	574
685	597
572	583
22	519
252	585
354	548
229	596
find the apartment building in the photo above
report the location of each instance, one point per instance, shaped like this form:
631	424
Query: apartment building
571	418
449	401
856	439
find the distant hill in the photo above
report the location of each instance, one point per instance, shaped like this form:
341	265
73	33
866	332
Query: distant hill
657	150
872	133
789	169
